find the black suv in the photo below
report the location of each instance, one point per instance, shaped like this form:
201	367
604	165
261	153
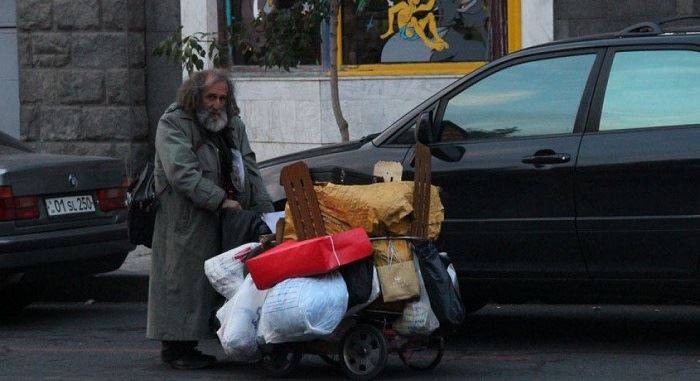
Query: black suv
568	171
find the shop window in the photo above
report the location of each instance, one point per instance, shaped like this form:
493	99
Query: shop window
390	32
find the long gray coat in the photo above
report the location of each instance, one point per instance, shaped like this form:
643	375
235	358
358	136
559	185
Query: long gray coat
180	298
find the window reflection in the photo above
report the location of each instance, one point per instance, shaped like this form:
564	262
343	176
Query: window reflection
652	88
404	31
533	98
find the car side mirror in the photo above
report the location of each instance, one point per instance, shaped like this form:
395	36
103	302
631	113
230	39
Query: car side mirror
449	153
424	129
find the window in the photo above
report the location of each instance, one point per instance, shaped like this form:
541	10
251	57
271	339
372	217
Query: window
652	88
533	98
409	31
406	37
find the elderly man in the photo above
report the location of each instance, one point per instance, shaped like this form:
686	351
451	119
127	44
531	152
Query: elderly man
195	142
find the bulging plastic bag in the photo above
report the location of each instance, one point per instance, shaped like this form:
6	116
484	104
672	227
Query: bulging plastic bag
451	271
239	319
418	317
301	309
225	271
444	297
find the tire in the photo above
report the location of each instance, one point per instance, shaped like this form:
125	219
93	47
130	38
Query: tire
425	357
363	353
280	362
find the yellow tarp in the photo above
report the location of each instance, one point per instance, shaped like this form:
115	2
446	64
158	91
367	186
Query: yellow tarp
381	209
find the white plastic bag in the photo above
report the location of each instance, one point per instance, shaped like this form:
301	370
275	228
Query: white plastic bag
225	271
372	296
239	319
453	275
417	317
301	309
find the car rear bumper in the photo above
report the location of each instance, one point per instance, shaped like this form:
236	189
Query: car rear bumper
28	252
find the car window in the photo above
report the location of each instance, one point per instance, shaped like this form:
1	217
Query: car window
652	88
533	98
407	137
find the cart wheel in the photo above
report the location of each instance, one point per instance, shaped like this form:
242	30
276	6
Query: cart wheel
331	360
280	362
363	352
425	356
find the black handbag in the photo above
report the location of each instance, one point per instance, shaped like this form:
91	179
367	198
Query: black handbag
142	202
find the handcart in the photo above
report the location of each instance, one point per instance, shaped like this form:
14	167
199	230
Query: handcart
361	344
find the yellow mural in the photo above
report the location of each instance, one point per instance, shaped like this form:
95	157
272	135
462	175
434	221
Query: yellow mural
411	27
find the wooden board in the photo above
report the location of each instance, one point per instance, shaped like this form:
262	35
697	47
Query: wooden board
302	201
421	191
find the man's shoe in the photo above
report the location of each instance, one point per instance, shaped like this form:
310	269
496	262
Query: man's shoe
191	361
195	352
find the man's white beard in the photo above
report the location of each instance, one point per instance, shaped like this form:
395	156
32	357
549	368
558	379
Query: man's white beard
212	124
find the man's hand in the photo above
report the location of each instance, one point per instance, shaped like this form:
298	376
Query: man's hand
230	204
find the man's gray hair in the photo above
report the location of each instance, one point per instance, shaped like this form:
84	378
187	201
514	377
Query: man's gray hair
191	92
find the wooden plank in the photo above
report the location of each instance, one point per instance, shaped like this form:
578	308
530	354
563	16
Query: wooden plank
302	201
421	191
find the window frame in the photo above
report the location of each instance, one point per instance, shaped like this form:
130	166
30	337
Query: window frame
593	125
581	113
513	44
442	97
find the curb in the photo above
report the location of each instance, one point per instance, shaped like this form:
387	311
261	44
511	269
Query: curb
115	287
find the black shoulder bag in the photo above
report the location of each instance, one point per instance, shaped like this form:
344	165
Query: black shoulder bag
142	202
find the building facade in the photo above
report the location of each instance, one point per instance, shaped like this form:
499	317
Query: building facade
79	76
82	69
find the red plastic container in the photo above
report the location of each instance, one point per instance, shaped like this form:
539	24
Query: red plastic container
295	259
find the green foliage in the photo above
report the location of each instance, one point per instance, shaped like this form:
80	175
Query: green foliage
189	50
284	38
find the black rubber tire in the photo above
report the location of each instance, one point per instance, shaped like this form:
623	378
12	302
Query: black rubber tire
434	351
280	363
363	353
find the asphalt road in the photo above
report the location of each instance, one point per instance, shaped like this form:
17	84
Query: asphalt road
532	342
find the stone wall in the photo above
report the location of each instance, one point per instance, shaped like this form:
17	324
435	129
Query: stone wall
162	77
82	79
574	18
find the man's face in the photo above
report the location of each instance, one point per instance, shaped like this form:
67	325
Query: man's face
215	96
212	113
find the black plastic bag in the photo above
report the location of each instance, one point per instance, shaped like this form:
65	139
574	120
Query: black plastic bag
358	278
239	227
444	298
142	202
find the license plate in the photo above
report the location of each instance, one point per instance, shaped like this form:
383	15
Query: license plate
69	205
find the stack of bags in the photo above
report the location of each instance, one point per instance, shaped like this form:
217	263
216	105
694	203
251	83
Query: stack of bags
294	291
301	290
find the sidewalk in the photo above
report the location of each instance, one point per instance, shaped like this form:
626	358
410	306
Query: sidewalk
127	284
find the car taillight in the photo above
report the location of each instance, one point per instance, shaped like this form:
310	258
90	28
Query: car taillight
17	208
113	198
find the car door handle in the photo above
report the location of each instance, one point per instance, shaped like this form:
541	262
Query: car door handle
551	157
